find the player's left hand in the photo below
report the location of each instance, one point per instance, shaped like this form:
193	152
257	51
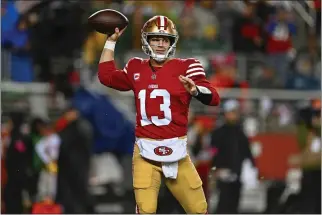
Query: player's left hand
189	85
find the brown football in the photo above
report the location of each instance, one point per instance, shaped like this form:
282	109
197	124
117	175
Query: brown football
105	21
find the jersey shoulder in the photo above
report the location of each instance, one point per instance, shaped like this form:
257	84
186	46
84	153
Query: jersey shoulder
193	67
136	60
133	63
189	62
183	64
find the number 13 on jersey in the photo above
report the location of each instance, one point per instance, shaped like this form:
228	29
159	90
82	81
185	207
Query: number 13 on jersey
165	107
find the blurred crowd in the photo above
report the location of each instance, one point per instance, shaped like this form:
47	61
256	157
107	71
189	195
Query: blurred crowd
47	164
225	151
33	149
50	41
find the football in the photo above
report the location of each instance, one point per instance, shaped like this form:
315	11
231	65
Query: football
105	21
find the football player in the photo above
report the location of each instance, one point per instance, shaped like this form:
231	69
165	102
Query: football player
163	87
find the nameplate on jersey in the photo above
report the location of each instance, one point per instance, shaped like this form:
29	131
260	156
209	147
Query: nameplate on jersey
153	86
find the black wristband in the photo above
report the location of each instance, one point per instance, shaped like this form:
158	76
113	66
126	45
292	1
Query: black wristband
203	98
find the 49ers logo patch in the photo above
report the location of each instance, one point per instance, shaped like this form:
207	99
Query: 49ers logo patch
163	151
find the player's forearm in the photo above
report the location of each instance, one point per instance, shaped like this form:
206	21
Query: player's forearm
208	96
106	66
108	51
107	55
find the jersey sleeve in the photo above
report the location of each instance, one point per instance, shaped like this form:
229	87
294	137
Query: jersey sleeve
115	78
196	72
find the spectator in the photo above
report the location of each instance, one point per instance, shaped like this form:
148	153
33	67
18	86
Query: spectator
264	11
309	160
266	79
48	150
190	38
208	26
5	138
225	74
312	53
74	163
317	7
35	134
226	14
57	33
213	40
18	164
247	32
233	150
279	44
302	78
15	38
38	34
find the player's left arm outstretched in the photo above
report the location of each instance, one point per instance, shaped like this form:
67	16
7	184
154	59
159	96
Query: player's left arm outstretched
195	82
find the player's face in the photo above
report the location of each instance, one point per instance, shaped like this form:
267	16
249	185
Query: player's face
159	44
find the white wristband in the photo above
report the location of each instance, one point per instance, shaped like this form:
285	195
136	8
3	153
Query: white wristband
109	45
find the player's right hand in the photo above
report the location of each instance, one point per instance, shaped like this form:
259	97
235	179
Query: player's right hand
114	37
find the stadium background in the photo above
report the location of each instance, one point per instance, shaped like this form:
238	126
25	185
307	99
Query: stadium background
49	63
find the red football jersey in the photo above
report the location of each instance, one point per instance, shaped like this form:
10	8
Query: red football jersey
162	103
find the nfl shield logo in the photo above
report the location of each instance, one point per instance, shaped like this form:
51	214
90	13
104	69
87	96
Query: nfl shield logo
154	76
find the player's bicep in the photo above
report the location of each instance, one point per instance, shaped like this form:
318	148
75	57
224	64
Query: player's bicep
195	69
197	73
121	81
